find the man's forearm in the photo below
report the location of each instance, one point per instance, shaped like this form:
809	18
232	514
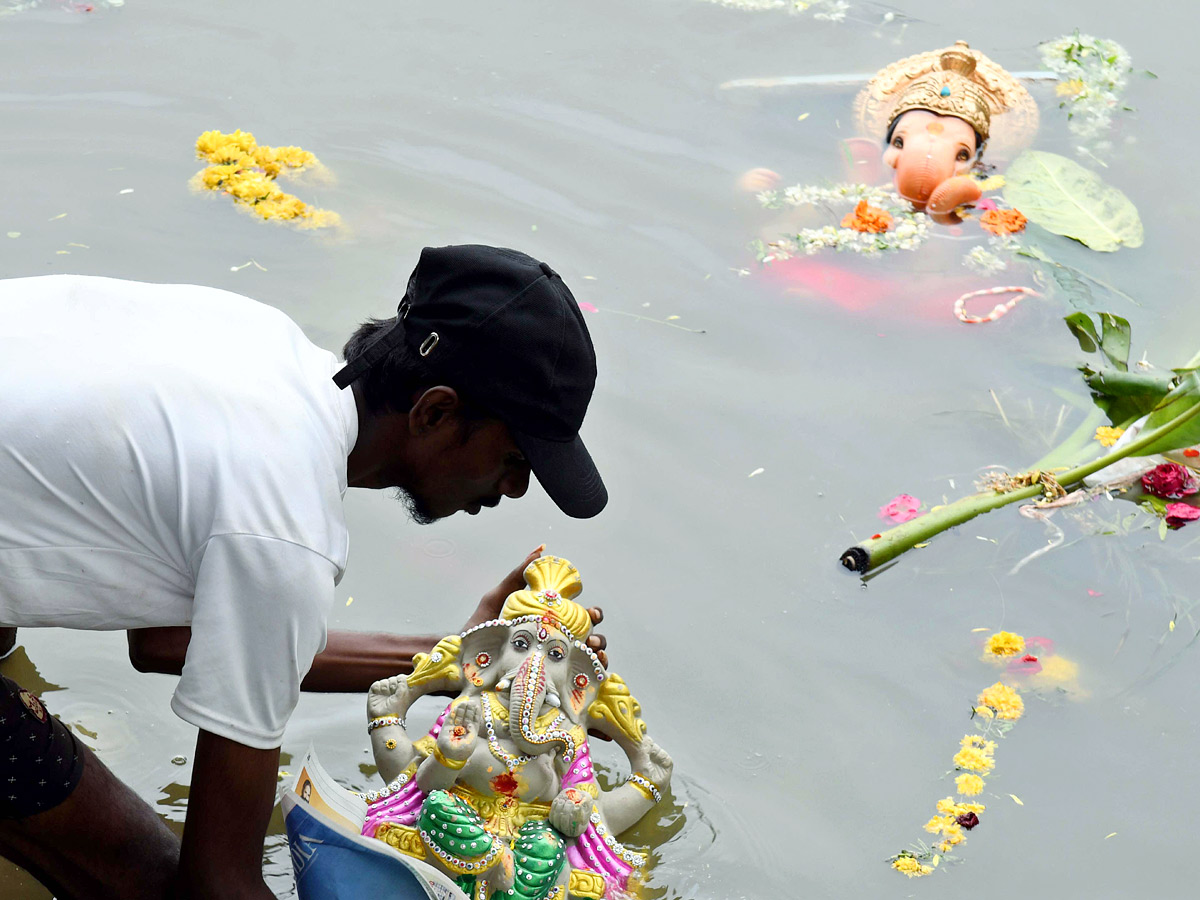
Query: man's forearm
351	662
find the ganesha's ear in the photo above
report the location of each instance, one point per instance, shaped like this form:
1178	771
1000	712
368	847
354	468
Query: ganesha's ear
439	669
616	713
582	685
480	654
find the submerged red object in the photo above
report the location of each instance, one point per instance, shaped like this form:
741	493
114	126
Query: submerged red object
890	293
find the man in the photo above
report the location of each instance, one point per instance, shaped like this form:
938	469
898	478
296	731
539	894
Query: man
172	463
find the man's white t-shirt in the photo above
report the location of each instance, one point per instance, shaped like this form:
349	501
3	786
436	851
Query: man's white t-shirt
174	455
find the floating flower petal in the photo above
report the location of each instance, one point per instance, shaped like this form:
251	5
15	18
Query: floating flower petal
902	508
1179	514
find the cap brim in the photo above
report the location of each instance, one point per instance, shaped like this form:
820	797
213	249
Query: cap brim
566	471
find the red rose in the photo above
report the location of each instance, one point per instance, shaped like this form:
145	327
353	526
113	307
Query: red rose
1026	665
968	820
1179	514
1170	480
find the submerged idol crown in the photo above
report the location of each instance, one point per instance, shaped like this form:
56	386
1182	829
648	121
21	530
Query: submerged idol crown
500	794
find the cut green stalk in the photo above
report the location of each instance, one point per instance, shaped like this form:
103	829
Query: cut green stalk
876	551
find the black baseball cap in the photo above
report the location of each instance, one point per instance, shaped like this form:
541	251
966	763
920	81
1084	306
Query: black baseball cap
505	329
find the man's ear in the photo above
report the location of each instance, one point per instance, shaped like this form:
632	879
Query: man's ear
432	409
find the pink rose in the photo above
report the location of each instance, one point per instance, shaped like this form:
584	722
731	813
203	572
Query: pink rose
903	508
985	204
1041	645
1170	480
1179	514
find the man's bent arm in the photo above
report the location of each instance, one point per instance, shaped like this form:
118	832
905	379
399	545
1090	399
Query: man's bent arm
229	808
351	662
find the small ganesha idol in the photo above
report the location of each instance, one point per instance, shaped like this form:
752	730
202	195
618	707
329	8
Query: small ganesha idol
500	794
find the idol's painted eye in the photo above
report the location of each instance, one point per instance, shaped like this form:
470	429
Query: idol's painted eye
520	642
964	154
556	653
898	142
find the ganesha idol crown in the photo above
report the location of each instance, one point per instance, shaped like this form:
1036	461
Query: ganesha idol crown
954	81
949	91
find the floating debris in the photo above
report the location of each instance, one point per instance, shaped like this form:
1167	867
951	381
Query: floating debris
823	10
246	264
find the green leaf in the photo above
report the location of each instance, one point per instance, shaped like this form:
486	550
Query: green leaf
1129	384
1180	407
1085	332
1065	198
1114	339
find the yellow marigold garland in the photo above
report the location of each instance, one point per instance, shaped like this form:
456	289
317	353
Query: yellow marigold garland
247	171
997	708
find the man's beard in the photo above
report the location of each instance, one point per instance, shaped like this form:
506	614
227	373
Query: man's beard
415	506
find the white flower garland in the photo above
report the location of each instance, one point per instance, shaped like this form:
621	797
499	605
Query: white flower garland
1092	73
909	229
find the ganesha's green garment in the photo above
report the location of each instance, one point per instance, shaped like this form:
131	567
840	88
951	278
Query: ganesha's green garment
538	852
455	828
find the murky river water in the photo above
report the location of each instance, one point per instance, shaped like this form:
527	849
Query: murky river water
821	710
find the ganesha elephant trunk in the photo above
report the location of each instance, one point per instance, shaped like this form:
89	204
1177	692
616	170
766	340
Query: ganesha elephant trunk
530	691
953	193
918	174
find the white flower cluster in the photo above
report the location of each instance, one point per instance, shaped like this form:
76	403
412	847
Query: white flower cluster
980	259
811	194
827	10
909	232
991	259
830	10
1092	73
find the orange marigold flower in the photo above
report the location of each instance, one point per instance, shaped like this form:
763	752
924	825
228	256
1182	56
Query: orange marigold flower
1002	221
868	218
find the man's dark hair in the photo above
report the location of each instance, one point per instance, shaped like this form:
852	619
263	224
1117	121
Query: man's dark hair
391	384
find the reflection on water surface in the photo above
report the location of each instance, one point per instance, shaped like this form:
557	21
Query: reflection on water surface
810	713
